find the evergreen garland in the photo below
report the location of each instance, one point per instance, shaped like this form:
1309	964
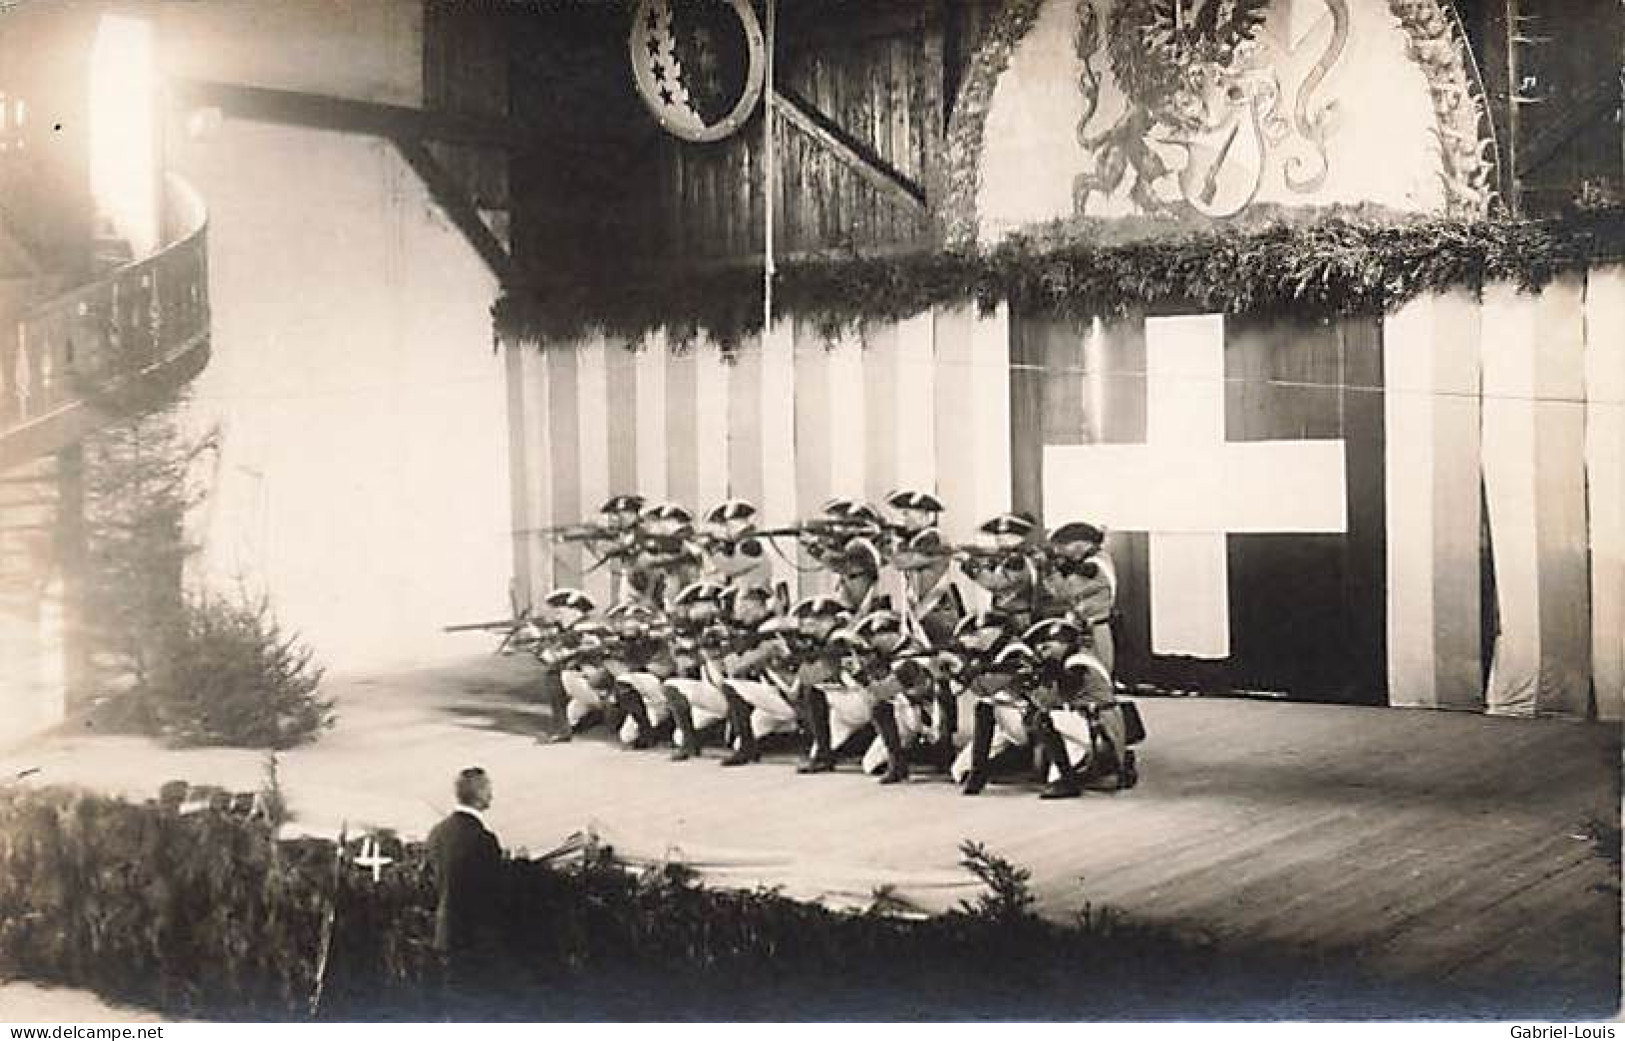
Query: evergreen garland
1345	262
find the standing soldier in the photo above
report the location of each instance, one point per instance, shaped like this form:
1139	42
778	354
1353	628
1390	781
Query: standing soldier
734	554
664	556
1005	567
1080	576
610	537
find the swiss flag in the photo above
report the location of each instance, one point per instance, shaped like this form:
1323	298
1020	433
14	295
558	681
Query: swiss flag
1239	465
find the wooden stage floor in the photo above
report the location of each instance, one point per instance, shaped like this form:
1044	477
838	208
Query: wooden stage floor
1442	848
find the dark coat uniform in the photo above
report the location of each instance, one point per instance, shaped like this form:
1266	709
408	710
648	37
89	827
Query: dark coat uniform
467	863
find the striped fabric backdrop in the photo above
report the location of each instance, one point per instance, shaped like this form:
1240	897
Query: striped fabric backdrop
787	421
1427	509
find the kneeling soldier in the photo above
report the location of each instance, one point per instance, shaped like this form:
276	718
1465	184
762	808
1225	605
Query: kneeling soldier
557	638
981	644
1077	716
694	693
756	671
816	662
638	662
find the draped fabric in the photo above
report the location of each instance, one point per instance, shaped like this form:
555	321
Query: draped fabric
1426	509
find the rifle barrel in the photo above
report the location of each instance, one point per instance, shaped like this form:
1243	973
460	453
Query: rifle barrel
465	627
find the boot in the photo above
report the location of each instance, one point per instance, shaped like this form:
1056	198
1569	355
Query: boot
1067	785
1130	774
942	753
1106	768
558	702
631	704
815	715
739	719
885	719
614	714
686	738
981	749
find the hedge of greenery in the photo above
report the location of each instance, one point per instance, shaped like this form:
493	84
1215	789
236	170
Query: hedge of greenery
204	915
1342	261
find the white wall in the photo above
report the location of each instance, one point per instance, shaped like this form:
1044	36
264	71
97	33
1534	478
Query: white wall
364	478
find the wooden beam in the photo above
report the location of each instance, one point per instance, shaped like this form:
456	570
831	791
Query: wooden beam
324	112
1578	114
851	153
450	196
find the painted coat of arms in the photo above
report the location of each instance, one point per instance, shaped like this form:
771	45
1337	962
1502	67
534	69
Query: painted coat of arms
1212	97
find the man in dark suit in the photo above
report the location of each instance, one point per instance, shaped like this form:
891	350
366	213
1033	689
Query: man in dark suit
467	863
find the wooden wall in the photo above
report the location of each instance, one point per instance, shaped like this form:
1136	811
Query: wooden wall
875	77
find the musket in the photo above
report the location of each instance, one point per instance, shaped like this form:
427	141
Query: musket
490	627
832	527
510	628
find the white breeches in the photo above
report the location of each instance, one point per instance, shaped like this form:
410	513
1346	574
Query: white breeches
911	725
851	708
1009	731
770	712
653	694
582	698
705	701
1079	734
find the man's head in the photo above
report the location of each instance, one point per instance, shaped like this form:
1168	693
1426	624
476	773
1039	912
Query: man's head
858	563
699	601
1071	565
922	554
750	605
473	788
818	616
621	511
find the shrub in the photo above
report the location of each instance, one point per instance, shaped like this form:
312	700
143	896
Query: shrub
229	675
206	914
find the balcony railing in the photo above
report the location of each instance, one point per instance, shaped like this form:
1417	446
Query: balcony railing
145	323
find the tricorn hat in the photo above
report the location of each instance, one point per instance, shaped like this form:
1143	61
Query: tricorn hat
729	511
1052	630
699	592
667	511
905	499
1009	528
569	599
819	606
986	619
1077	533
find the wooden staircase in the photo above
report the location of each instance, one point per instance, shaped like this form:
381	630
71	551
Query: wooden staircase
108	347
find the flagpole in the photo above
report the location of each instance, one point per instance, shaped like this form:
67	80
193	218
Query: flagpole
769	162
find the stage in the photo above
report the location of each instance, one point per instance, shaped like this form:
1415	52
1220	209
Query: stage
1438	848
